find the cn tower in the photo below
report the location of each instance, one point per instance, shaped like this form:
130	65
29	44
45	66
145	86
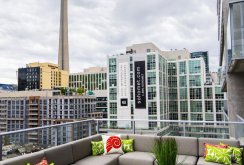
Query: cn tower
63	53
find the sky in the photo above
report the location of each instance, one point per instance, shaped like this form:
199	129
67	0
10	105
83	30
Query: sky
29	30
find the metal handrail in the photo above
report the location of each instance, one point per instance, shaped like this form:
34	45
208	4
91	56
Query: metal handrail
131	120
43	127
133	126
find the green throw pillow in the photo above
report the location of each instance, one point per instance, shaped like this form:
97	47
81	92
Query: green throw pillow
237	154
128	145
218	155
97	148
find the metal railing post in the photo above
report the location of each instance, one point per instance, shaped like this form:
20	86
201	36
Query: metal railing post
134	126
56	135
1	147
97	127
89	128
184	128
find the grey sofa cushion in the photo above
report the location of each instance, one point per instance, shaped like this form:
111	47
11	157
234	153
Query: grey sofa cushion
186	160
201	161
32	158
60	155
137	158
143	143
111	159
186	145
201	141
82	148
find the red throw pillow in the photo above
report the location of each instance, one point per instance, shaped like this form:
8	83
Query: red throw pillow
112	144
213	145
43	162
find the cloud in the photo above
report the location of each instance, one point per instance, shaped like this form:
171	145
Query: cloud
29	30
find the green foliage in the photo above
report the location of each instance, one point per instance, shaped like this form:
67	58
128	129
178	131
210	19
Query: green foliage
165	151
72	90
63	90
80	91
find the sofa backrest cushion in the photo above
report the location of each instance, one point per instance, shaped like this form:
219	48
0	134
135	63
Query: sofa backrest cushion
32	158
60	155
201	141
185	145
82	148
144	143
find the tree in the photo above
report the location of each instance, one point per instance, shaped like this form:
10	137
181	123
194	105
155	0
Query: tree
80	91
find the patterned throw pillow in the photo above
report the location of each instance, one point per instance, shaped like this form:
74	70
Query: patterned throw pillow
112	144
218	155
128	145
43	162
213	145
237	154
97	148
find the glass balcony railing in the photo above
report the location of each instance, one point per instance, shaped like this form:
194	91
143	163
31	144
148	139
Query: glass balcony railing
29	140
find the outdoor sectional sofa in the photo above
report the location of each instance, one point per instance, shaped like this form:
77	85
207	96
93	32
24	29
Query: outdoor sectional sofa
190	151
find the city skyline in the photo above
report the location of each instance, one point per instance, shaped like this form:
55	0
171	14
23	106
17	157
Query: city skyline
98	29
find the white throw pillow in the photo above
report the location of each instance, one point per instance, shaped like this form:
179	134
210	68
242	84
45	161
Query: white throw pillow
112	144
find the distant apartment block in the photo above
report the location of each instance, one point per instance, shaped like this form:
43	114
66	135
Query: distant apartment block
204	55
91	79
41	76
29	109
190	98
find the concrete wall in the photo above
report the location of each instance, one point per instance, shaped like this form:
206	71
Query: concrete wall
235	95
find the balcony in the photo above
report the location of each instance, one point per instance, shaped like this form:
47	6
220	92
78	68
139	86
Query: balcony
54	135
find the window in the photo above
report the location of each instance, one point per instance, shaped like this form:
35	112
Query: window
152	108
151	93
194	66
183	106
195	80
172	69
196	106
183	82
183	93
208	106
113	94
173	106
151	62
112	80
151	78
182	67
208	93
112	65
219	105
195	93
113	108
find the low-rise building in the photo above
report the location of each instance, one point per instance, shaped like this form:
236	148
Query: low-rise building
41	76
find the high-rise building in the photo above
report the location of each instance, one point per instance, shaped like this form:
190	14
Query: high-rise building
93	78
231	38
41	76
190	98
63	53
29	109
138	85
204	55
150	84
